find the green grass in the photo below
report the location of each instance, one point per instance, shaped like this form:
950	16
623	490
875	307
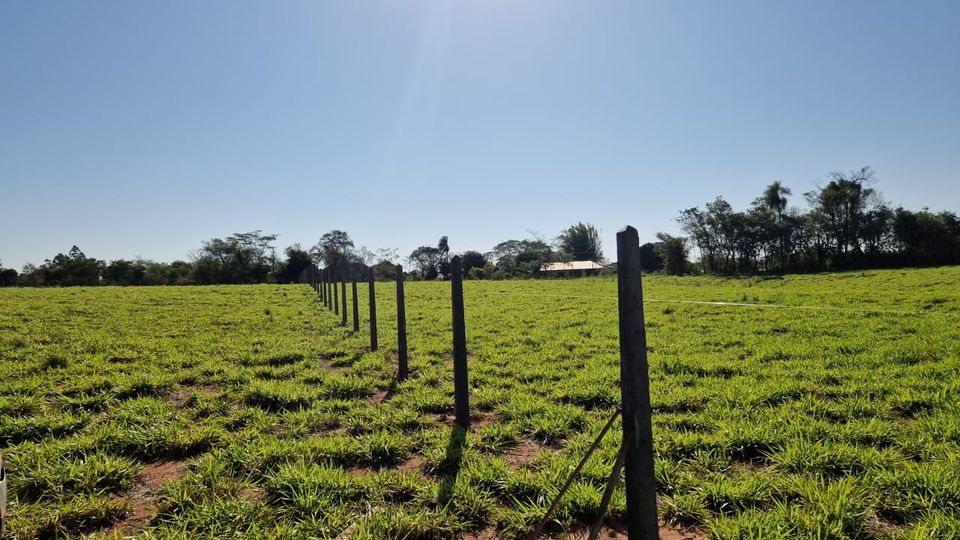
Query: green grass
769	422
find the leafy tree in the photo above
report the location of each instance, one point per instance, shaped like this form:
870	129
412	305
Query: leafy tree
582	242
673	250
334	249
8	277
239	258
426	260
432	262
297	259
472	259
385	270
522	258
71	269
123	272
650	259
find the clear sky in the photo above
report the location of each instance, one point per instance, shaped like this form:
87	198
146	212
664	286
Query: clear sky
143	128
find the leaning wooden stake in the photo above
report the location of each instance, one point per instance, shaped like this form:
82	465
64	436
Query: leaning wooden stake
461	391
401	328
641	488
372	298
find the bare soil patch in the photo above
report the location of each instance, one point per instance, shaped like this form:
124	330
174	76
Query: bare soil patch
143	497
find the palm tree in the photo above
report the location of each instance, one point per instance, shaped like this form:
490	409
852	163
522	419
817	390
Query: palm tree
775	199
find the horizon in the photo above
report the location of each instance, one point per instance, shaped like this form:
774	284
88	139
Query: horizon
133	130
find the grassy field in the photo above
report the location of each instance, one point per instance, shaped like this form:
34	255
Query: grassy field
225	411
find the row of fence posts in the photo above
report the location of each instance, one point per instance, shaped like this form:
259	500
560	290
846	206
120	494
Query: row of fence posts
636	454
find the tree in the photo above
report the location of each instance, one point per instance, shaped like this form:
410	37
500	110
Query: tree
841	206
334	249
432	262
426	259
582	242
8	277
297	259
774	201
72	269
650	258
472	259
239	258
673	250
123	272
521	257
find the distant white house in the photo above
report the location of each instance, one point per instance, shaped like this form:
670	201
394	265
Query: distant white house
570	269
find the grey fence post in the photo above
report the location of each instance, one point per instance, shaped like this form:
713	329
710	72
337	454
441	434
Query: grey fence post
641	485
356	304
461	391
372	294
323	291
402	369
343	297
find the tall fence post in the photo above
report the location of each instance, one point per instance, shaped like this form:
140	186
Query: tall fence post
323	291
372	297
316	278
641	486
336	295
461	391
402	369
329	288
343	296
356	303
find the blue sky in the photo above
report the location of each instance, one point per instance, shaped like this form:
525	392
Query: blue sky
137	128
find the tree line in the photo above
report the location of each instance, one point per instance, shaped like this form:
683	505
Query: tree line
846	225
251	257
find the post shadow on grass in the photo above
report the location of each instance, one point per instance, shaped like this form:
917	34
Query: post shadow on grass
450	467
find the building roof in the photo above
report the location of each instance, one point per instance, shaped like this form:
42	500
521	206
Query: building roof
575	265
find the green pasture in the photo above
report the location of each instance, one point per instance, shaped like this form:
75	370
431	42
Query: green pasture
833	411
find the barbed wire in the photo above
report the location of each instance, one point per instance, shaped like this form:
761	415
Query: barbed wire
732	304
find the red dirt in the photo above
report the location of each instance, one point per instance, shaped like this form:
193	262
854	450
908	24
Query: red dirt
143	497
523	454
378	397
477	420
612	532
412	464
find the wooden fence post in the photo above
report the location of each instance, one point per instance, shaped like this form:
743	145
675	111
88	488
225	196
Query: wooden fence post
402	369
343	297
336	296
323	291
356	304
372	294
641	485
461	391
329	292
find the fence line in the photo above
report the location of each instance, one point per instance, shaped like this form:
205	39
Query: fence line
637	443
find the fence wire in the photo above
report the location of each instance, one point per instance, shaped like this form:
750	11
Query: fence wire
733	304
